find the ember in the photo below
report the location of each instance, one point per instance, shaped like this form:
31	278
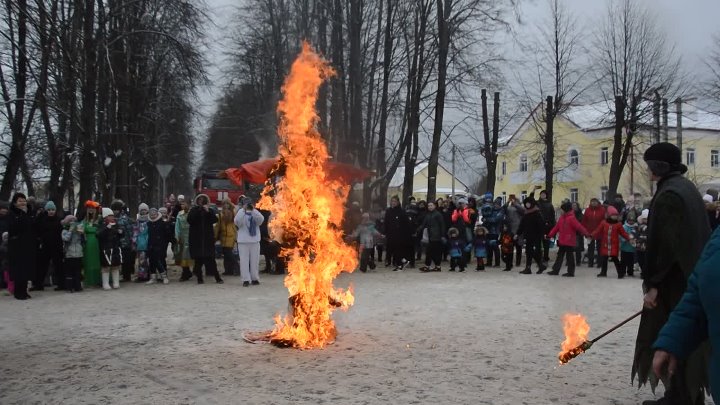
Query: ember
308	209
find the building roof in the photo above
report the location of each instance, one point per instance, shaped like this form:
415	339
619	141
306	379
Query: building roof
599	116
399	176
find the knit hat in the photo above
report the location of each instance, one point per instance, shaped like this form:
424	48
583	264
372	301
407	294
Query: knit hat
91	204
107	212
68	219
488	196
707	198
163	210
117	205
143	207
498	201
180	198
462	201
50	206
566	206
153	211
664	157
612	211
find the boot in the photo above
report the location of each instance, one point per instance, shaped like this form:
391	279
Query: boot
165	278
105	280
569	275
526	271
152	280
554	273
116	279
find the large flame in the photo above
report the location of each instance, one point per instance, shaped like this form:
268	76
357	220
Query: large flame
308	210
576	331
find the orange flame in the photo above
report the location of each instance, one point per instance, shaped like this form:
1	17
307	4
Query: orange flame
308	210
576	331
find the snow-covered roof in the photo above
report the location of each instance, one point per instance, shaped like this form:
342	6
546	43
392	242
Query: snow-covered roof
599	115
399	177
460	188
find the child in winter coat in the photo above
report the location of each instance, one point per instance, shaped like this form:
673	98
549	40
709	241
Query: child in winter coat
111	257
480	247
608	233
140	240
507	247
457	247
627	247
641	239
72	236
567	228
159	236
366	234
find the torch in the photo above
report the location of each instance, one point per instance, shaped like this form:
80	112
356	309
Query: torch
586	345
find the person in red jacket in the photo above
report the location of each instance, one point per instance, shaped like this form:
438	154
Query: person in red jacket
567	227
592	218
608	234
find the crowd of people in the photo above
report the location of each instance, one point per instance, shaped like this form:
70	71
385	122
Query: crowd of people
494	233
42	247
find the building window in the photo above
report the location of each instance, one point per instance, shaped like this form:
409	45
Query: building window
523	163
574	158
603	193
523	195
714	158
573	195
503	168
504	197
604	156
690	157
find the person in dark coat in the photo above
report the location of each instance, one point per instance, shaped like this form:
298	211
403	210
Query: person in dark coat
22	245
434	225
532	228
4	217
49	231
422	212
202	238
398	234
547	210
160	233
678	230
268	247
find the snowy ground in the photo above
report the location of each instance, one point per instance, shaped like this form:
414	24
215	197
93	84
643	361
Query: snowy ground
411	338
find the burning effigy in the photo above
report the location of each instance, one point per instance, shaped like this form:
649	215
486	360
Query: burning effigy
308	206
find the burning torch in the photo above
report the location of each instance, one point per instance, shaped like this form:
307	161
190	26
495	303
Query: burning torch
568	355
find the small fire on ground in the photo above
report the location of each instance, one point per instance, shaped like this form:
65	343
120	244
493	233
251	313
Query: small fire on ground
308	208
576	331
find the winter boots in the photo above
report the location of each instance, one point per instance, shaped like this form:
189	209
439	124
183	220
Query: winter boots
106	280
116	278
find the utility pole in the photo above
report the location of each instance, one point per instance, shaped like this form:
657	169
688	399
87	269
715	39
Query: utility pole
656	117
678	125
453	171
665	120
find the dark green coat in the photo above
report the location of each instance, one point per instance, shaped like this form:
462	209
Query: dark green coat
435	224
678	229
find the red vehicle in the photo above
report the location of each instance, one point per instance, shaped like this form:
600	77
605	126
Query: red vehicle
218	188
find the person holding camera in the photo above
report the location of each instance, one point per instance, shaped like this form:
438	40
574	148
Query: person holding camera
202	239
248	221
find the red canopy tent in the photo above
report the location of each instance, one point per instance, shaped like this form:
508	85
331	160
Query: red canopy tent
257	172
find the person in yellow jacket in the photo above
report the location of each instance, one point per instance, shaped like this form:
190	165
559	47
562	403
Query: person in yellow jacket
226	234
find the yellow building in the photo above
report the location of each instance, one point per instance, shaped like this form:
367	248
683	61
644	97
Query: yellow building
443	184
584	142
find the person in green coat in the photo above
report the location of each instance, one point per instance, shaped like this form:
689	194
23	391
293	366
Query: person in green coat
91	251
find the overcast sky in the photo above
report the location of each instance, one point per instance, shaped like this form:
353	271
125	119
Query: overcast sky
690	25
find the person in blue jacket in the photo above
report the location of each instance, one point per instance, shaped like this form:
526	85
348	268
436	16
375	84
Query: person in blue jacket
695	319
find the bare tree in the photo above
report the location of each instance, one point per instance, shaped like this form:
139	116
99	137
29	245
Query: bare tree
713	63
634	59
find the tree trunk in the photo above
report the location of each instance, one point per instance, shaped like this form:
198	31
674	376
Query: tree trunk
322	45
337	111
616	166
549	159
487	146
380	159
443	13
87	119
492	162
355	143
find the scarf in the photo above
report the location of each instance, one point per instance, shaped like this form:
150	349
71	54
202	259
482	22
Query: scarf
250	221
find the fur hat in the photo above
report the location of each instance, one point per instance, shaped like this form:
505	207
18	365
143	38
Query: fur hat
50	206
197	197
453	232
107	212
708	198
663	158
143	207
163	210
612	211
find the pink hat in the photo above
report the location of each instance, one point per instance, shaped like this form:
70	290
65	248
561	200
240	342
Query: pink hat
612	211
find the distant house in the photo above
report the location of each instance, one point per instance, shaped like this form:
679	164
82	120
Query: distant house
443	184
584	143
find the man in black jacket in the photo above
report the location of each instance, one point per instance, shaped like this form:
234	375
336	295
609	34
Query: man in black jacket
202	238
547	210
677	232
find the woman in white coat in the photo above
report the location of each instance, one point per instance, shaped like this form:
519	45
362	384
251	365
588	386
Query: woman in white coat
248	221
